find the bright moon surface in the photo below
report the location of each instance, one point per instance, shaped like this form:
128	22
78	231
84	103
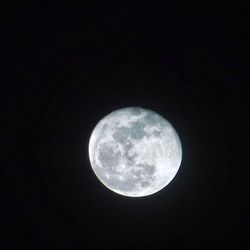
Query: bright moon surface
135	151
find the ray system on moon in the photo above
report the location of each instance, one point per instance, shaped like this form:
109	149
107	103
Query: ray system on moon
135	151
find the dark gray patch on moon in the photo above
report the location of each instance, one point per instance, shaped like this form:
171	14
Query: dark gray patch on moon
157	133
145	184
151	119
109	158
137	130
121	134
135	111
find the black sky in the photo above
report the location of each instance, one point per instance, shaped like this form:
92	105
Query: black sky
65	65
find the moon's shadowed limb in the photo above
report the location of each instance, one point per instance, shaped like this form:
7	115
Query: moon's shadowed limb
134	151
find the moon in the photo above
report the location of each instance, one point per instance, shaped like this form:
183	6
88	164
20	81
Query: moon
135	151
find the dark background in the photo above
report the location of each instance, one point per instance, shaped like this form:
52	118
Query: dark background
67	64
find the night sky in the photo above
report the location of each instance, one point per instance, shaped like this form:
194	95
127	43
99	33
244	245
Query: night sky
67	64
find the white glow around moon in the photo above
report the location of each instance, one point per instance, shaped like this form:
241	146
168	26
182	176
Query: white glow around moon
135	151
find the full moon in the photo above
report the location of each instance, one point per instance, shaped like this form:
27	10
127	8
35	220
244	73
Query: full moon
135	151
